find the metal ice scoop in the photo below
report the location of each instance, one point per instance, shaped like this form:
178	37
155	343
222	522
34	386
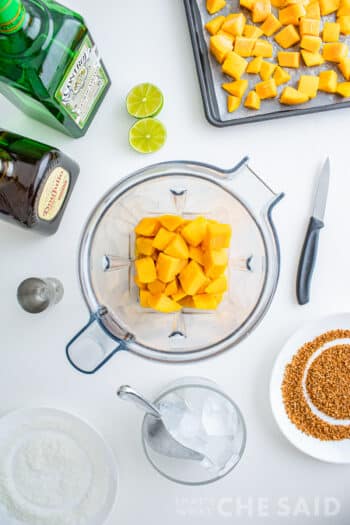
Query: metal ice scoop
157	435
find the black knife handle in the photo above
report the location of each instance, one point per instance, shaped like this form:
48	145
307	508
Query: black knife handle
307	260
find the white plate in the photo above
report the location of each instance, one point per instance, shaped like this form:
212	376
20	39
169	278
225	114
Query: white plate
330	451
19	433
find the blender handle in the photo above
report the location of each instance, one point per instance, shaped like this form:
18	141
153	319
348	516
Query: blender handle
91	348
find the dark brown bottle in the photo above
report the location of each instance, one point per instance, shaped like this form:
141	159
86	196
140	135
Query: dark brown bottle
36	182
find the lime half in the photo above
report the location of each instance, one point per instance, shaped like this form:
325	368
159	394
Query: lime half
144	100
147	135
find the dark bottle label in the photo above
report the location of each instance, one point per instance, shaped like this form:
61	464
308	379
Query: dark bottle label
53	194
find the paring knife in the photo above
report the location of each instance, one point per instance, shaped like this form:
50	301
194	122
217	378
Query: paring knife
309	252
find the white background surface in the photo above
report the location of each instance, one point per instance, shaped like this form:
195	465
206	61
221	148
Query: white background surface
142	41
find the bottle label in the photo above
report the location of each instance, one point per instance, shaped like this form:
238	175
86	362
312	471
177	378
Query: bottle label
53	194
83	84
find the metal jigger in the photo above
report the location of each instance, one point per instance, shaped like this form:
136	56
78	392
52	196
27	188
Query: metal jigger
36	295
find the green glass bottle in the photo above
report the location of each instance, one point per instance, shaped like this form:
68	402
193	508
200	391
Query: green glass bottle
49	64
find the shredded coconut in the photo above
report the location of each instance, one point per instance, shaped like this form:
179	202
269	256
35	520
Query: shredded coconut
52	473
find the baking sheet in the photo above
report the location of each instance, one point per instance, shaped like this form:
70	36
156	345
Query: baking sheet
211	76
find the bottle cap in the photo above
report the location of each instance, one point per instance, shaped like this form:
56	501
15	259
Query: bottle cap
12	15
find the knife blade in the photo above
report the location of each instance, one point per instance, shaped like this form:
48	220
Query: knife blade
310	247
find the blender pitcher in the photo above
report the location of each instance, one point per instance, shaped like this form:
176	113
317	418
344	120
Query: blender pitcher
238	197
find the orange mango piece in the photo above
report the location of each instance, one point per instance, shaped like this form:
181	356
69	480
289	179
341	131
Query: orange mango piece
328	6
261	10
215	263
287	37
252	101
291	14
236	88
308	84
262	48
147	227
162	303
254	65
234	65
218	235
146	270
214	25
217	286
144	298
171	288
213	6
266	89
291	97
195	231
335	52
252	31
162	239
156	287
144	246
288	59
271	25
344	23
281	76
234	24
266	70
196	254
328	81
309	26
170	222
343	89
344	67
312	59
205	302
311	43
244	46
167	267
220	46
313	10
233	103
331	32
177	248
192	278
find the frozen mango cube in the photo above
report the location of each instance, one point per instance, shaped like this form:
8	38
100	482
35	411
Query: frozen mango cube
311	43
287	37
344	22
194	232
308	84
177	248
262	48
214	25
217	286
271	25
196	254
266	89
281	76
167	267
213	6
233	103
289	59
162	239
244	46
218	236
171	288
180	294
252	101
252	31
187	302
144	298
170	222
309	26
139	284
331	32
162	303
343	89
255	65
291	14
205	301
328	81
344	66
292	96
312	59
261	10
147	227
234	65
236	88
334	52
266	70
192	278
156	287
146	270
328	6
215	263
220	45
234	24
144	246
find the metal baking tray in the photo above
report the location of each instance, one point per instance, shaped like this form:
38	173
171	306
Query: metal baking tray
211	76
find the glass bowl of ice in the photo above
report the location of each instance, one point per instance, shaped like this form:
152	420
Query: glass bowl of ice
205	422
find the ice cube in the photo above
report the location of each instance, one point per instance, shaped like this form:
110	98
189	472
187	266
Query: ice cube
219	418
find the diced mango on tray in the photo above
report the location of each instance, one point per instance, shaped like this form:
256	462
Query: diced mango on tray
242	42
182	263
